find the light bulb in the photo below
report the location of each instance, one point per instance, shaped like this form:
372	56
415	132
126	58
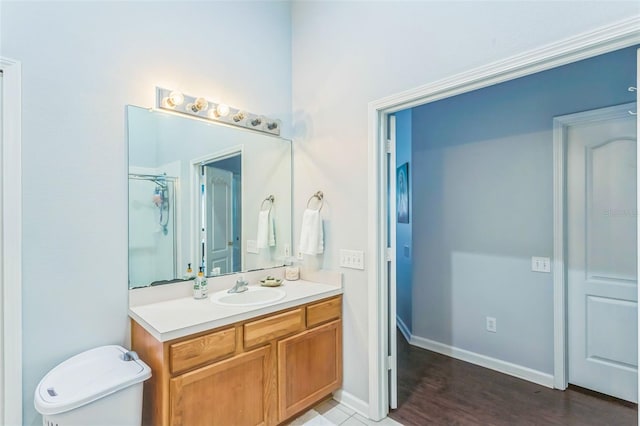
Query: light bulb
255	122
175	98
222	110
273	125
239	116
199	105
212	114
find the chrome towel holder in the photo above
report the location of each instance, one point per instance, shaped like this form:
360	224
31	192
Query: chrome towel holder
320	196
269	199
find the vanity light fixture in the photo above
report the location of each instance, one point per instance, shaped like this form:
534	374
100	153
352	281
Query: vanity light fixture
174	100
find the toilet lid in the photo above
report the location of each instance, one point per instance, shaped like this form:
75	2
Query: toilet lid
87	377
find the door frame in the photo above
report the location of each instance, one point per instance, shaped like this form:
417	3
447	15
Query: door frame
196	217
11	245
601	40
560	295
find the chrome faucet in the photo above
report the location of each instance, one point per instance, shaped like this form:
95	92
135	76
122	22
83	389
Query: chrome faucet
239	287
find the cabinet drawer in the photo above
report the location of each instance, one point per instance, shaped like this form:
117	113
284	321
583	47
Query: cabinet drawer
264	330
210	347
324	311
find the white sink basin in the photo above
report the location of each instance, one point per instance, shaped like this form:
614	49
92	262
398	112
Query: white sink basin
253	296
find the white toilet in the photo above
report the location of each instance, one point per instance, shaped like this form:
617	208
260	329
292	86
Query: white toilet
102	386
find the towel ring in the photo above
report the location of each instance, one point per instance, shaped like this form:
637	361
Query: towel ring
320	196
270	199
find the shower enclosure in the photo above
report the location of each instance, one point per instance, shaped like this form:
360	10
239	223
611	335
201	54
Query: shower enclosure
152	229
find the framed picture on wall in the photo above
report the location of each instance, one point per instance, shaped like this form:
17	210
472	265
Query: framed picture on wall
402	193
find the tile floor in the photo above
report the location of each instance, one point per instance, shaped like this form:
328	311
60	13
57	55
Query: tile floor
332	413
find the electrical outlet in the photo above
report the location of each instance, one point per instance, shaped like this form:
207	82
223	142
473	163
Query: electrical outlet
353	259
492	325
540	264
300	256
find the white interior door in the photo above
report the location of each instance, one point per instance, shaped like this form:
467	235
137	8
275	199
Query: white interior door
602	254
219	219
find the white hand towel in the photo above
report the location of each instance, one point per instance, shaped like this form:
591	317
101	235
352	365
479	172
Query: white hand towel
266	232
311	237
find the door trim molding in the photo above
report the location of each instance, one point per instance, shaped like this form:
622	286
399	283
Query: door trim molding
560	297
601	40
11	249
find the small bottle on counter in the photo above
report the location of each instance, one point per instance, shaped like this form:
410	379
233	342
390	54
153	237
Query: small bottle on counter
189	275
200	286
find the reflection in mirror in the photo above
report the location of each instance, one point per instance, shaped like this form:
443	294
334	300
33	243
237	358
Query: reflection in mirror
221	222
152	216
196	198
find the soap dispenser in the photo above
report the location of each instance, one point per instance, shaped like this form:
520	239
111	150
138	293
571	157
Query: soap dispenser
200	286
189	275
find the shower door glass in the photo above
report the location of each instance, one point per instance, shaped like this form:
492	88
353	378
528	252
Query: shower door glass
152	230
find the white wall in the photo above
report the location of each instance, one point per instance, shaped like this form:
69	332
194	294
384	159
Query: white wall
346	54
81	63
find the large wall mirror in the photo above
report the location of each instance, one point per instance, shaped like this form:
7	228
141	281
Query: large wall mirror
204	194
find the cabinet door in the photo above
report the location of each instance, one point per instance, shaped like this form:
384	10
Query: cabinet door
230	392
309	367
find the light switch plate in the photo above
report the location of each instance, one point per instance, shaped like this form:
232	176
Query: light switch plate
492	325
540	264
353	259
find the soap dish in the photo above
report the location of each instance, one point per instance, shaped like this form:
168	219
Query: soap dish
271	282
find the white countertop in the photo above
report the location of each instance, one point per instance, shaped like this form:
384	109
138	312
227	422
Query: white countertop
179	317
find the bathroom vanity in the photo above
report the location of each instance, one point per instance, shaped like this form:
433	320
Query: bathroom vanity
258	357
239	365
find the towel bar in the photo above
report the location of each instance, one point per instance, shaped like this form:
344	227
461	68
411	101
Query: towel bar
270	199
320	196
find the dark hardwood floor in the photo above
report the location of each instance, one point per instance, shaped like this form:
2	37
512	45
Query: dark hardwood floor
434	389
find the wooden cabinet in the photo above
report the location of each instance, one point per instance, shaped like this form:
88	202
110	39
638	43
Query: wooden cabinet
231	392
260	371
309	367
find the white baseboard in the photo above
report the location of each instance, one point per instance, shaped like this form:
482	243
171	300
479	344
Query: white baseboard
345	398
403	328
505	367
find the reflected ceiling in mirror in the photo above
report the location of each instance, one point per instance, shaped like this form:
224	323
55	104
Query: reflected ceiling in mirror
206	195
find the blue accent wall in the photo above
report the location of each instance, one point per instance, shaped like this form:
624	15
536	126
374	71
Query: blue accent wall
483	205
404	230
